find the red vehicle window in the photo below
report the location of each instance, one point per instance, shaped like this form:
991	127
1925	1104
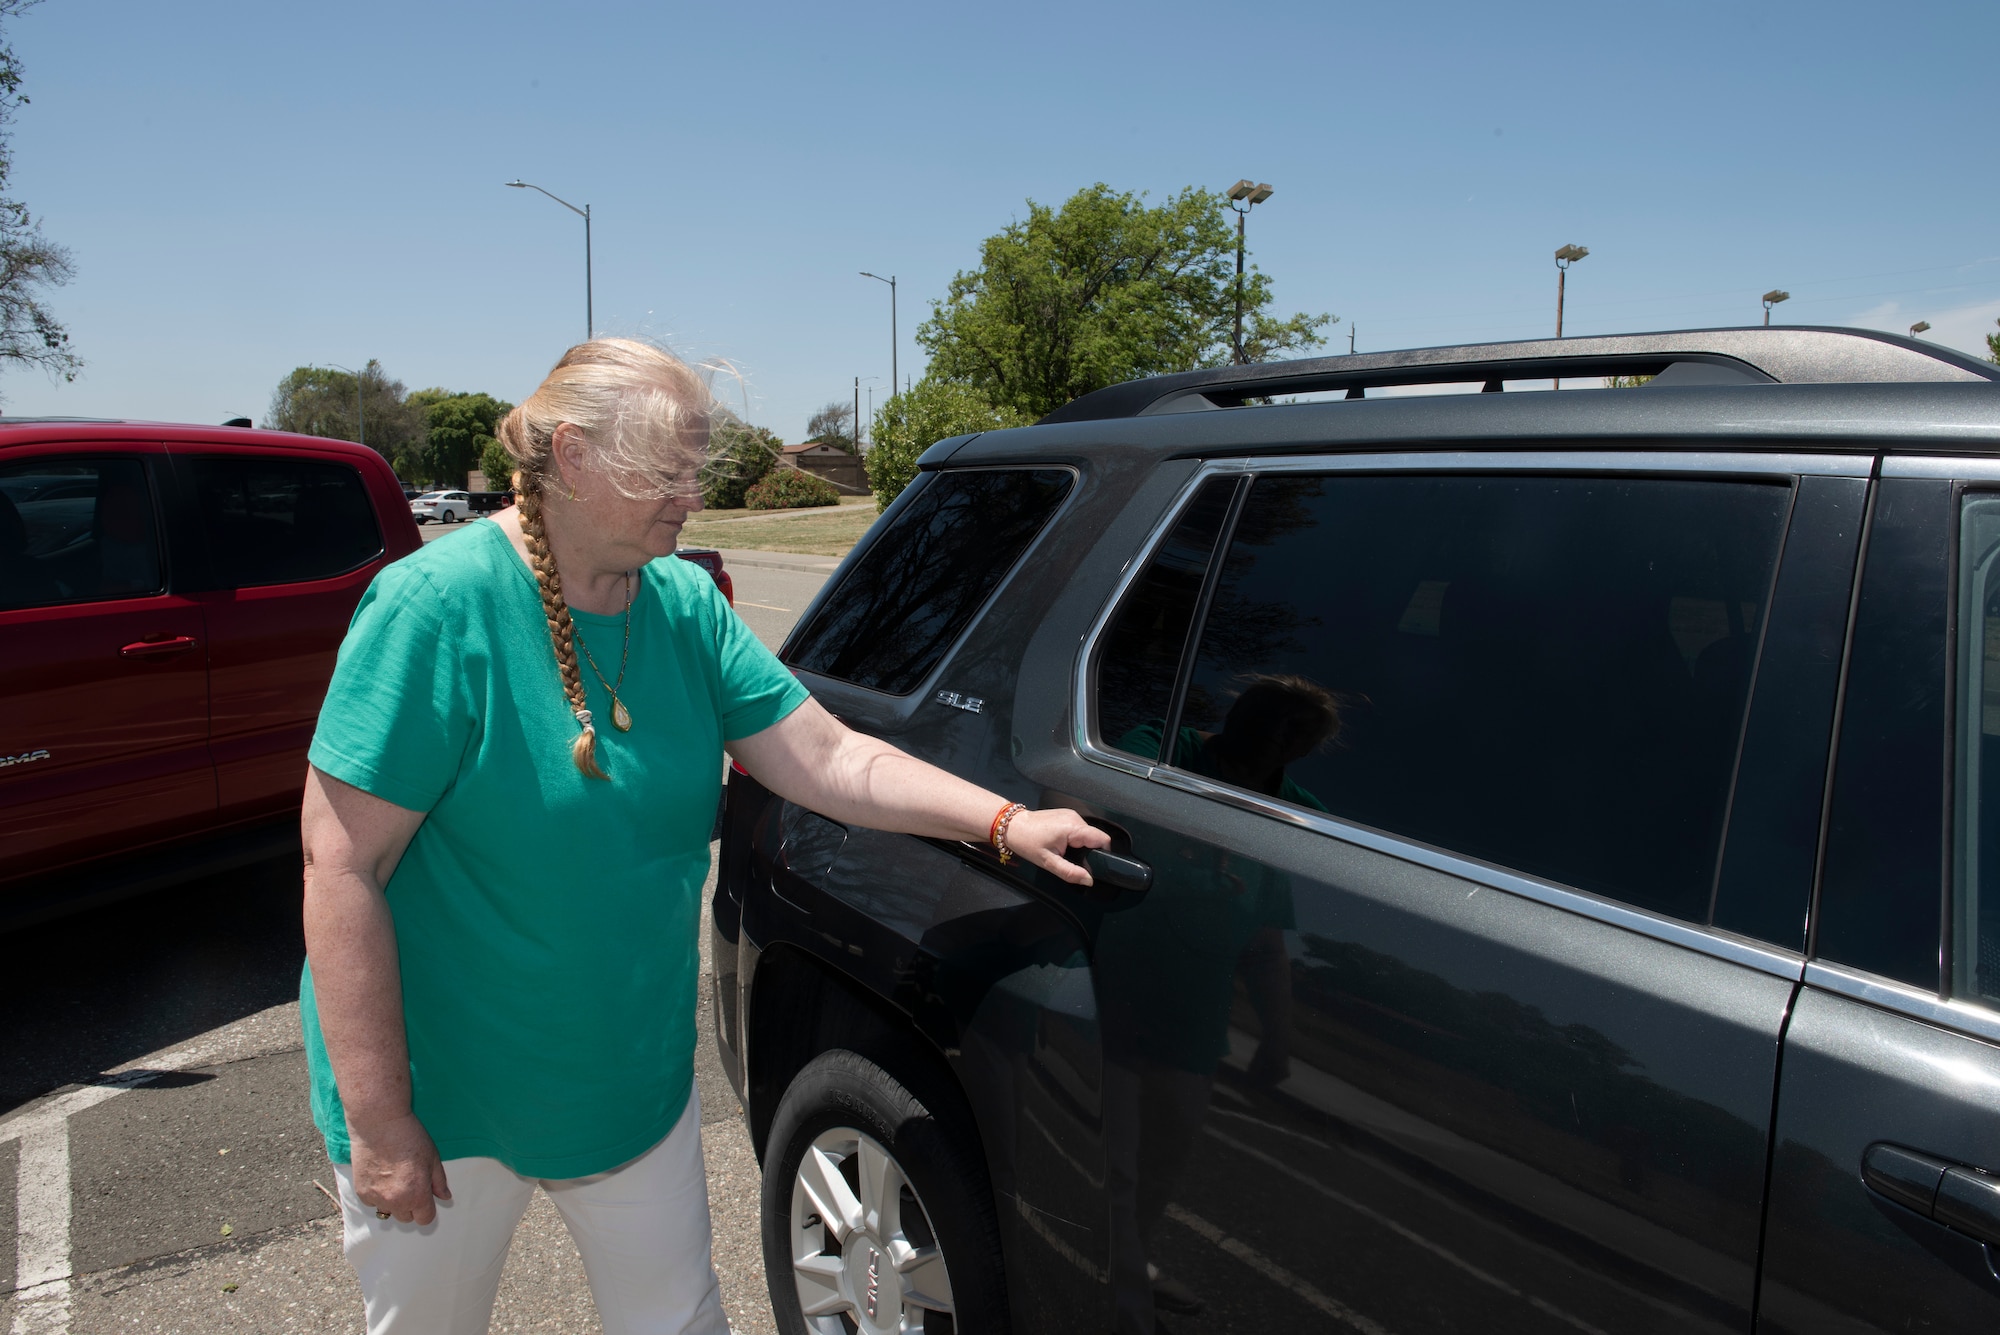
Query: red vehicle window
283	520
76	530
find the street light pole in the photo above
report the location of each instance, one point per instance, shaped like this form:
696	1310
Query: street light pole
1920	327
1772	298
589	314
1565	257
894	379
1243	196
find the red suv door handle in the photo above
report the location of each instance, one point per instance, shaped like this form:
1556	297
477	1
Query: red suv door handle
172	644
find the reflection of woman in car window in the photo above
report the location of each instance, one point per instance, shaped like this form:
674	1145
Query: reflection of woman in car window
1276	722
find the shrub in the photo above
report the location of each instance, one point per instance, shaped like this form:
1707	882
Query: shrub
908	424
790	489
739	456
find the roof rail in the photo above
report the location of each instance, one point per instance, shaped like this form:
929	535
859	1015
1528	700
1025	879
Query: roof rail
1792	355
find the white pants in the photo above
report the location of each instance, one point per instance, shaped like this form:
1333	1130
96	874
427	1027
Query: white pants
642	1230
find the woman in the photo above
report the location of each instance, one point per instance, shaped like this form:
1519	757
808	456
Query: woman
506	829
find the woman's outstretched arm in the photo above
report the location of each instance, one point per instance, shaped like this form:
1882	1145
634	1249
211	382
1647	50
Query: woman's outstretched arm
353	841
815	760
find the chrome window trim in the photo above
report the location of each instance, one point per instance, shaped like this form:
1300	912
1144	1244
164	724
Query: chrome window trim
1764	958
1974	469
1912	1002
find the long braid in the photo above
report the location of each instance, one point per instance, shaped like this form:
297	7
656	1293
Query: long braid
562	630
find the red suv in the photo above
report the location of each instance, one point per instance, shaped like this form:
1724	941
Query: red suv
171	600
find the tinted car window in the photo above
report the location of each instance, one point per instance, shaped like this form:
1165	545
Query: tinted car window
280	521
1882	889
1146	641
1545	673
74	531
905	600
1976	935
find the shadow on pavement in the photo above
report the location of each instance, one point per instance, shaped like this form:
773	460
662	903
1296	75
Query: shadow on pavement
86	993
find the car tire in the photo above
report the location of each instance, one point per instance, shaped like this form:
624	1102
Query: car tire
446	518
844	1115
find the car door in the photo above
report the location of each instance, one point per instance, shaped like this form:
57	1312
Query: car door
1884	1210
1478	882
292	541
103	663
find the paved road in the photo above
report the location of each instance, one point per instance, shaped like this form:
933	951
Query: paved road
158	1166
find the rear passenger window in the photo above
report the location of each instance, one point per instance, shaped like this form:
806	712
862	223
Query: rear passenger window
282	521
920	582
1545	673
1976	934
76	531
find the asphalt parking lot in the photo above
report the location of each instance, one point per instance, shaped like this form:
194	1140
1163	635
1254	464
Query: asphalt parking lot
156	1150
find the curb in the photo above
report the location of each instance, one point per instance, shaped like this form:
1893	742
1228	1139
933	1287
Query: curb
810	565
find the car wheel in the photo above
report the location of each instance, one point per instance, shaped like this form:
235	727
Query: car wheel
877	1214
445	518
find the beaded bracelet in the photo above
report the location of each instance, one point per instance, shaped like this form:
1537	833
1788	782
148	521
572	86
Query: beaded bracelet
997	835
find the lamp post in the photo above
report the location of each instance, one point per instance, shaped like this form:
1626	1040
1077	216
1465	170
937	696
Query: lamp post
360	418
1243	196
894	379
1920	327
589	316
1565	257
1772	298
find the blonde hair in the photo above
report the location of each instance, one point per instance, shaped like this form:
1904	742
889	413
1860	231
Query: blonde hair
644	414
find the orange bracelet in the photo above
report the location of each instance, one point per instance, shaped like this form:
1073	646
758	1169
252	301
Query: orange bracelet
997	835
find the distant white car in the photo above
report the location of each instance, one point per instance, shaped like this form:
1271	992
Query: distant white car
444	506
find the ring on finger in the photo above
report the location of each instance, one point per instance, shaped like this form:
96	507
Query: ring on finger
382	1214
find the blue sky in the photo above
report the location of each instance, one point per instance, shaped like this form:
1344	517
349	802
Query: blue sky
249	187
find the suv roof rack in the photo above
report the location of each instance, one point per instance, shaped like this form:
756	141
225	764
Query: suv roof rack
1791	355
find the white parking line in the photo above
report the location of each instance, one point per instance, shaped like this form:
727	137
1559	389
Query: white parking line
1274	1272
745	602
42	1271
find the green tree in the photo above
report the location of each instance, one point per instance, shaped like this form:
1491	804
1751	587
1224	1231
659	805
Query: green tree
1993	345
497	465
322	401
458	431
739	457
1103	290
30	334
908	424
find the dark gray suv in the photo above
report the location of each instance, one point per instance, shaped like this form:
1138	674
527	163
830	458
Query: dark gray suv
1548	888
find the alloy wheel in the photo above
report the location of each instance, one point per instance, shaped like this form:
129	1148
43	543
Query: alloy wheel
864	1254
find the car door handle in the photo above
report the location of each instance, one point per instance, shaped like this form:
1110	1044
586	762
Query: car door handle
1113	871
1954	1195
156	648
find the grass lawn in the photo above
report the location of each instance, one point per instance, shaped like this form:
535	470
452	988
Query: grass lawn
825	531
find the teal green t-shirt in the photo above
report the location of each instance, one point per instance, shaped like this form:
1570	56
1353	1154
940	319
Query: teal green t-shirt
546	922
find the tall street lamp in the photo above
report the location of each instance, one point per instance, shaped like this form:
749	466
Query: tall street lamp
1243	196
1772	298
1565	257
894	379
589	317
1920	327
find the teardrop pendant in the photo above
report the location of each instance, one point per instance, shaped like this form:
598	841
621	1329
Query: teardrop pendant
621	718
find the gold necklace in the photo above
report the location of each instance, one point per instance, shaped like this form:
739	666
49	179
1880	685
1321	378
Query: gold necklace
621	717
